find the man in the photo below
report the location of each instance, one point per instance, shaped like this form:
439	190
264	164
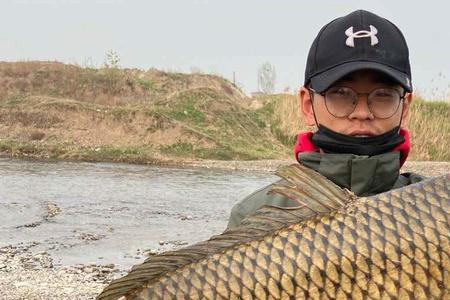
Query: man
357	92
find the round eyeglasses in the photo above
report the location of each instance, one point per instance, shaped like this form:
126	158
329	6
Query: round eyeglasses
341	101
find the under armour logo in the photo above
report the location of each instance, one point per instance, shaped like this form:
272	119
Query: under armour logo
350	41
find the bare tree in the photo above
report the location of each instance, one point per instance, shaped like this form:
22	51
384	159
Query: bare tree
112	60
112	72
266	78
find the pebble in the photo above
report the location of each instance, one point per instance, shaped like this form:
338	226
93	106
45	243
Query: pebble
150	252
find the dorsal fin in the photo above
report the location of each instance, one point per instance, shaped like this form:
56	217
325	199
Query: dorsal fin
309	188
314	193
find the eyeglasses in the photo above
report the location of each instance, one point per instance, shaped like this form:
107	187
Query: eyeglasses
341	101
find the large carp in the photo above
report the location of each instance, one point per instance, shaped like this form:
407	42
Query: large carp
394	245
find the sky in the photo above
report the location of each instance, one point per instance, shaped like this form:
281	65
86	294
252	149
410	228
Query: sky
227	38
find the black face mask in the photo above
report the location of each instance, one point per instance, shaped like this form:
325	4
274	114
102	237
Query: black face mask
332	142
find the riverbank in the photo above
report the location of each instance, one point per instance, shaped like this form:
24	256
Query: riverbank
54	111
28	276
427	168
69	228
28	270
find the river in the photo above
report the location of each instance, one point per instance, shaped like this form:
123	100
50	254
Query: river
104	213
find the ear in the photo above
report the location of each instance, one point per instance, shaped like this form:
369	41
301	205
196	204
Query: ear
306	106
406	108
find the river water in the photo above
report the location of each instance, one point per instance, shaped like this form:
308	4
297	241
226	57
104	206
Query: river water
104	213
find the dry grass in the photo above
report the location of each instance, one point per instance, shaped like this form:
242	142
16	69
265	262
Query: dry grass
287	109
36	135
104	86
430	128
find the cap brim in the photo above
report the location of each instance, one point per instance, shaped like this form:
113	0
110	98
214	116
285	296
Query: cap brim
324	80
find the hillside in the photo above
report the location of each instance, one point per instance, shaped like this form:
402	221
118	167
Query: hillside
52	110
57	111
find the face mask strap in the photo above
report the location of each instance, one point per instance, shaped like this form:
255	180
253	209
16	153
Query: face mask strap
311	95
401	115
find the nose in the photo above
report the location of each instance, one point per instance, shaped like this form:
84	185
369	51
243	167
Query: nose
362	111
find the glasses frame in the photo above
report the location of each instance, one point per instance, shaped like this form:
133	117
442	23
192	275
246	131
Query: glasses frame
323	94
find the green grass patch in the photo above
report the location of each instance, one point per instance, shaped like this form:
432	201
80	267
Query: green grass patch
71	151
222	152
15	98
146	84
178	149
187	112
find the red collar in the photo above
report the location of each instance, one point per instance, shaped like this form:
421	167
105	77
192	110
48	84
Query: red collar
305	145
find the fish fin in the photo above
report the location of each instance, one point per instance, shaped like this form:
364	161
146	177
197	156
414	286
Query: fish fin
312	191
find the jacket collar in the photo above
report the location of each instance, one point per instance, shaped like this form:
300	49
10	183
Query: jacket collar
363	175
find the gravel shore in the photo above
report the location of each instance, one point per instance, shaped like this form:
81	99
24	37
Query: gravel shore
427	168
27	275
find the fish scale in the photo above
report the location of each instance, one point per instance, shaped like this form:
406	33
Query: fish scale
395	245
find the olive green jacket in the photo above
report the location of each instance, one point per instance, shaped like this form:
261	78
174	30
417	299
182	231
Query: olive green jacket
363	175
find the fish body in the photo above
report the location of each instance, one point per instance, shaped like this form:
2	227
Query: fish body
394	245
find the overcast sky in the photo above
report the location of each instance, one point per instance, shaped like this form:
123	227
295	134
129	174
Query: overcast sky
219	37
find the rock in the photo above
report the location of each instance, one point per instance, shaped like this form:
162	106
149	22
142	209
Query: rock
109	266
90	236
105	271
150	252
51	210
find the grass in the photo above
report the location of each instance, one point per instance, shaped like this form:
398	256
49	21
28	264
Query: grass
280	115
430	130
225	152
56	111
70	151
147	85
187	112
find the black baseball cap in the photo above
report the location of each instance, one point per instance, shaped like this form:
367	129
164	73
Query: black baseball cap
360	40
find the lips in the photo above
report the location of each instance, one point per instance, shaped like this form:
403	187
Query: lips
362	133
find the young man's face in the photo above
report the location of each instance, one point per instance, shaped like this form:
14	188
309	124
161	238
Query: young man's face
360	122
